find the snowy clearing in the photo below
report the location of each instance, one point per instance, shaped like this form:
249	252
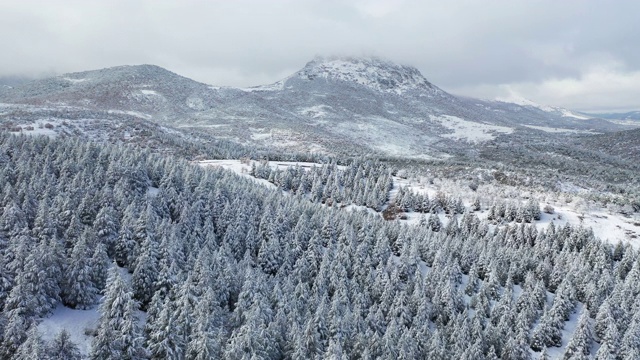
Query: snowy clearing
74	321
74	80
317	111
261	136
606	226
34	130
40	127
243	167
468	130
238	167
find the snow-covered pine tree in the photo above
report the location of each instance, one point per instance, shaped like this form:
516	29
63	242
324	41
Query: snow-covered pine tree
118	335
33	347
434	222
78	290
62	348
580	343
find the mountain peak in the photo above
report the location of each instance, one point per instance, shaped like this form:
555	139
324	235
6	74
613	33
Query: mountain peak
375	73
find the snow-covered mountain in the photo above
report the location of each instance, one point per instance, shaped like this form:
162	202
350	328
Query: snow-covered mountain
333	104
146	89
339	102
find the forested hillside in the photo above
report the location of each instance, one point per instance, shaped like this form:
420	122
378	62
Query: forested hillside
193	263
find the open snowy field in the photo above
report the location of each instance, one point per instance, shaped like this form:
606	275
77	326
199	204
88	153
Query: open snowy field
468	130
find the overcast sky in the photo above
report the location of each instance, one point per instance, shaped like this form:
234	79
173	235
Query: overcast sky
583	55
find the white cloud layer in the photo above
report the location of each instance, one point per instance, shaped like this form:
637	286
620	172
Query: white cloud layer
598	89
577	54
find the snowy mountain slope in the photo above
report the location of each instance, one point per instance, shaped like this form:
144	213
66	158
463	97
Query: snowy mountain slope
550	109
332	105
142	88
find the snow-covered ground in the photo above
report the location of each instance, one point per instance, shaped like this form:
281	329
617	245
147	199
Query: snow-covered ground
149	92
38	128
39	131
317	111
74	80
237	166
372	73
468	130
567	113
80	324
519	100
261	136
76	322
243	168
607	226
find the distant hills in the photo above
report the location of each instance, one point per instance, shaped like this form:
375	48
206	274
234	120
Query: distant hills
631	115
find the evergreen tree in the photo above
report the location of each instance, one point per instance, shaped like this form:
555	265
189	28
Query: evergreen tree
609	343
517	347
545	354
205	342
547	333
62	348
145	273
117	335
434	222
106	227
631	340
581	341
164	339
79	291
33	347
99	263
15	329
